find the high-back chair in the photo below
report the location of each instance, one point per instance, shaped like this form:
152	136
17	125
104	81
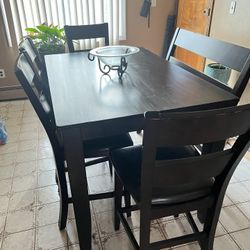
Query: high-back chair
230	55
166	176
99	148
80	32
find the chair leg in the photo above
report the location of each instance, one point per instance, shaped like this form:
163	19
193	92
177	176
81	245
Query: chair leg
202	214
110	168
207	244
63	213
210	217
127	201
203	244
118	201
144	230
63	193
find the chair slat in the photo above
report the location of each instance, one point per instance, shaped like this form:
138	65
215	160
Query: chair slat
33	54
192	128
78	32
230	55
190	170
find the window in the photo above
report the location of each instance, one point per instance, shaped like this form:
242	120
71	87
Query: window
29	13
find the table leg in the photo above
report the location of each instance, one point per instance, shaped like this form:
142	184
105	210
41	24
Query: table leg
78	183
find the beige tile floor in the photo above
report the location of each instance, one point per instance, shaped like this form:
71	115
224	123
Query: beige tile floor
29	198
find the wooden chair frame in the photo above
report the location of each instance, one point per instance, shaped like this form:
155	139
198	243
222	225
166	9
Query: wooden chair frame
228	54
37	64
79	32
45	113
212	126
32	55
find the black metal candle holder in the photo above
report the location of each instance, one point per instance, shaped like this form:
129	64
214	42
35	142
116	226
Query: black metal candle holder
105	69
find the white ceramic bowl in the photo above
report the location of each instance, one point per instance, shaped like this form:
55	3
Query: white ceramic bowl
111	55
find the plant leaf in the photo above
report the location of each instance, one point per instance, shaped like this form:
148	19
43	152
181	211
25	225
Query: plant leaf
32	30
48	38
43	28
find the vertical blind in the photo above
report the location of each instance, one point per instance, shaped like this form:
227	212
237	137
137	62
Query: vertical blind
29	13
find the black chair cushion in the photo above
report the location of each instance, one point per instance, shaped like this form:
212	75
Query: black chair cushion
102	145
127	163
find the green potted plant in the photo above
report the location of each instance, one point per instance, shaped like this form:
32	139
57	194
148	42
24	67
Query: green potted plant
218	71
47	39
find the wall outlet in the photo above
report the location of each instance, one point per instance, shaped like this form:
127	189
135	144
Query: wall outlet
2	73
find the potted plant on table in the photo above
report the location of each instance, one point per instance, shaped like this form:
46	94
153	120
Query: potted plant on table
47	39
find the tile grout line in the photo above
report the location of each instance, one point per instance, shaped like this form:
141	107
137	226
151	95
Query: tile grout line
229	235
97	225
237	205
94	214
4	234
240	211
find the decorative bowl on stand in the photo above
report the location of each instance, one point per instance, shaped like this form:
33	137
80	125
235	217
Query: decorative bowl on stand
112	58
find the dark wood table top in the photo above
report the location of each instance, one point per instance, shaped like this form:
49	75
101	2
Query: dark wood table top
82	94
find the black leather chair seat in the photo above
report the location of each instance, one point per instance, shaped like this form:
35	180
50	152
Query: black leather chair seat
98	147
127	163
106	144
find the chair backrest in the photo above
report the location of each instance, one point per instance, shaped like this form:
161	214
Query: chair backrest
36	63
32	55
31	85
165	129
227	54
79	32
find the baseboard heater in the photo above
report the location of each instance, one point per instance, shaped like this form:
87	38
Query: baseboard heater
11	93
12	87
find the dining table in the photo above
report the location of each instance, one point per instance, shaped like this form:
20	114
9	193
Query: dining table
88	104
